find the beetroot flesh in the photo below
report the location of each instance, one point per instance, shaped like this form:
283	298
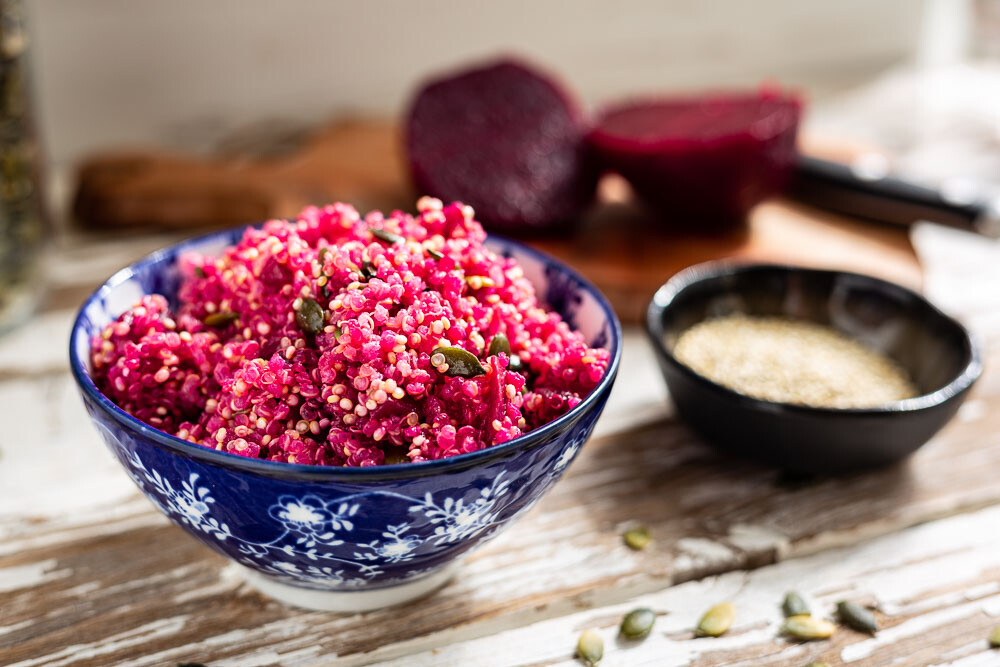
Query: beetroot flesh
703	162
506	140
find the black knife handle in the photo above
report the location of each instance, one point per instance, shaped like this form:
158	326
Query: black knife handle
840	188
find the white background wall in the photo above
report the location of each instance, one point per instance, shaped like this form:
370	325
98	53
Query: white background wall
184	72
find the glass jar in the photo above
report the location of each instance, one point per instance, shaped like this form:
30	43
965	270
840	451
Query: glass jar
22	229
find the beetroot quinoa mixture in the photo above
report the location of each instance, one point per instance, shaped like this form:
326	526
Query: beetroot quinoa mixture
326	340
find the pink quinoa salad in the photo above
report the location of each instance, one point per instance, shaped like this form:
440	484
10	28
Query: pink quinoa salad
343	340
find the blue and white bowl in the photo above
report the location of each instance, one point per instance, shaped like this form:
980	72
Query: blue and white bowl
343	539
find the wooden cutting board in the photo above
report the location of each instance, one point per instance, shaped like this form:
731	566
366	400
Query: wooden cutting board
617	245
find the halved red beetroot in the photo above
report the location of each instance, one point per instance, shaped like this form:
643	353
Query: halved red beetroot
701	162
505	139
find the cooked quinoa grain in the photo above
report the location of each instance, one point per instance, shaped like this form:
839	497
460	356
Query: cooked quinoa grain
316	341
792	361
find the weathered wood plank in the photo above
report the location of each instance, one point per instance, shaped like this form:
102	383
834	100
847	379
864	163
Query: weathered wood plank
112	577
936	587
90	573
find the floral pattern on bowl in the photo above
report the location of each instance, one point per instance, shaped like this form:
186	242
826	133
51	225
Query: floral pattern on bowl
342	530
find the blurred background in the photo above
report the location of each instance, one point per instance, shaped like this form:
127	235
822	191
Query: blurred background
127	125
235	87
187	73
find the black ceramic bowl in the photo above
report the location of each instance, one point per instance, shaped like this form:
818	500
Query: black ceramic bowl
937	351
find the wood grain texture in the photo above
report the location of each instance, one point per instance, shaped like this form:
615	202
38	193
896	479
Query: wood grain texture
629	254
267	175
627	251
91	574
935	590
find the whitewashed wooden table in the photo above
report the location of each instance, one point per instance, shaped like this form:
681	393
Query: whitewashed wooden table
91	573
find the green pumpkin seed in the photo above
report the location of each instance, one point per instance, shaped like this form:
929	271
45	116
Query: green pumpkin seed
855	616
221	320
637	538
716	620
637	623
310	316
995	637
805	627
461	363
499	344
794	605
434	253
590	647
386	235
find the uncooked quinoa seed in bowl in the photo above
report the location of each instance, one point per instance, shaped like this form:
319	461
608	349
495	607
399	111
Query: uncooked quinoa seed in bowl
345	405
815	371
343	340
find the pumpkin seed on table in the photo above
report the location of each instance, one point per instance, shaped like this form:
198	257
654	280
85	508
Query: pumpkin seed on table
590	647
637	623
794	605
499	344
310	316
460	362
221	320
386	235
857	617
805	627
716	621
637	538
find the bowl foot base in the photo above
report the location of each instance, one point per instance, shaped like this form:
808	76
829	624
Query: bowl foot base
347	602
